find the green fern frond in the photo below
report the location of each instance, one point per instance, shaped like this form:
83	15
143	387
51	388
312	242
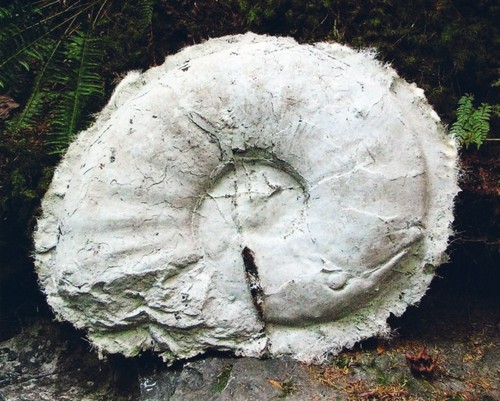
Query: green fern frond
82	83
472	125
6	12
26	31
40	94
145	11
479	123
465	106
18	46
51	56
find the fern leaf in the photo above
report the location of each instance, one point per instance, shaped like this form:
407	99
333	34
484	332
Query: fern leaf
22	40
145	11
481	124
81	82
39	96
5	12
472	125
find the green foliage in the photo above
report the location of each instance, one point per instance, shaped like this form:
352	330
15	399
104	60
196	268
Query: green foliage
304	20
20	44
473	124
145	11
82	84
58	49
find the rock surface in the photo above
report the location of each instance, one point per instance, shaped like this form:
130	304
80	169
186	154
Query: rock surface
253	195
50	362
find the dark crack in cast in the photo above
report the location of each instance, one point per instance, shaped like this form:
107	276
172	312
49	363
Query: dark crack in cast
253	281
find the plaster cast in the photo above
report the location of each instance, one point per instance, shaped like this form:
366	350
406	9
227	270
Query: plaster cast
250	194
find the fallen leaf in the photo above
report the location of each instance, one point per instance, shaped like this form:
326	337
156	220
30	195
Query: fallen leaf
422	363
276	384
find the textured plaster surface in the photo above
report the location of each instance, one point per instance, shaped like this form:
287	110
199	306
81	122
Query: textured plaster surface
250	194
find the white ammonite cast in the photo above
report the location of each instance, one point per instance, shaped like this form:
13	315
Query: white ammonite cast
251	194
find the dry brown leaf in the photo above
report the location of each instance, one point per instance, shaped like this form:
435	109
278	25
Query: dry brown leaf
276	384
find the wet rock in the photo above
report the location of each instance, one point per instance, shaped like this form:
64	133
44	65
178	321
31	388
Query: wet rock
220	379
47	363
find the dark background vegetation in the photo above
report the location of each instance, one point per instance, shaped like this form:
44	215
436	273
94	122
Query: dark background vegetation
447	47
